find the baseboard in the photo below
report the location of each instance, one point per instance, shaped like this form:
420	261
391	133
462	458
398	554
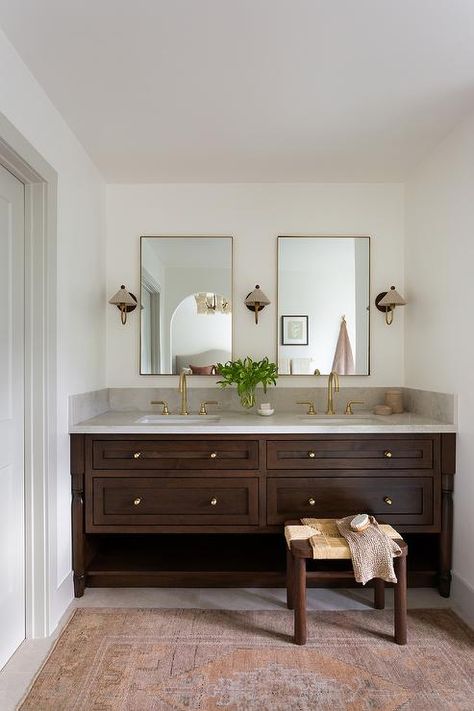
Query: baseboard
462	595
61	602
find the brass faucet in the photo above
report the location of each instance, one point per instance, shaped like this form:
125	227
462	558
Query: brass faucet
333	386
165	410
348	410
183	389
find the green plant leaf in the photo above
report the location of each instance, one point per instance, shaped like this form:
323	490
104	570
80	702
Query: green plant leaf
247	374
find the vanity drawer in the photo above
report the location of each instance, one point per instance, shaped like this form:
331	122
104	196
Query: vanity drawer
148	501
169	454
407	501
350	454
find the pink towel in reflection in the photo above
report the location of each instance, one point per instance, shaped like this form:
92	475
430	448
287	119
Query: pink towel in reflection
343	363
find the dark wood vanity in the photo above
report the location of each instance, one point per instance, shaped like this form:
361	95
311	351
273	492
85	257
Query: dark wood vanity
207	510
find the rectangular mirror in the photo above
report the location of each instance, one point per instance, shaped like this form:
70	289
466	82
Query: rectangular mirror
186	304
323	305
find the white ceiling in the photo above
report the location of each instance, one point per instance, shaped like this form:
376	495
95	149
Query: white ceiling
251	90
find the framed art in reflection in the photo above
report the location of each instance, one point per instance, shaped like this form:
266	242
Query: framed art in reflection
294	331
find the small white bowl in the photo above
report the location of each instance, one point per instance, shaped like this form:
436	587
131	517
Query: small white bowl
265	413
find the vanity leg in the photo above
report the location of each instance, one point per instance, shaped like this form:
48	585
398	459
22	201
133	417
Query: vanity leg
400	599
379	594
78	544
446	535
79	585
77	513
300	599
289	579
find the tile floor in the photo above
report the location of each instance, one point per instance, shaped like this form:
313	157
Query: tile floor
17	675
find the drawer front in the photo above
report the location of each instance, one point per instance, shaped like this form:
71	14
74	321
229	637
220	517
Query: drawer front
146	501
191	454
350	454
407	501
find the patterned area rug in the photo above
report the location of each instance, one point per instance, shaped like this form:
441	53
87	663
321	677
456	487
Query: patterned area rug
210	660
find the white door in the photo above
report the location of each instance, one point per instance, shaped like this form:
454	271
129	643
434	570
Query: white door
12	538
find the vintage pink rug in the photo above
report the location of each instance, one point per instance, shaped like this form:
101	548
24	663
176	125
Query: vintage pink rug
211	660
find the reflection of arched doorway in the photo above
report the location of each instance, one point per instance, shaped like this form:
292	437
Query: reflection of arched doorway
200	339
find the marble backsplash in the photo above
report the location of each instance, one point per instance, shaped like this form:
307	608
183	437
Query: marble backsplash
86	405
439	406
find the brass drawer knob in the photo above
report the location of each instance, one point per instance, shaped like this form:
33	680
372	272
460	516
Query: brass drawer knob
387	454
311	455
311	501
388	500
213	455
213	501
137	455
137	501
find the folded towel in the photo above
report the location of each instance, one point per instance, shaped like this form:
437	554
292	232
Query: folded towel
343	363
303	366
372	551
325	539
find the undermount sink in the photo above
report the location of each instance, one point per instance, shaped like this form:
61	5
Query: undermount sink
173	419
344	420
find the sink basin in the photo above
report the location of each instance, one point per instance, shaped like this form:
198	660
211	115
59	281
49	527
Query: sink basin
348	420
174	419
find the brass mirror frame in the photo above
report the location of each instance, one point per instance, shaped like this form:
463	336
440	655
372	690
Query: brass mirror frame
170	236
324	236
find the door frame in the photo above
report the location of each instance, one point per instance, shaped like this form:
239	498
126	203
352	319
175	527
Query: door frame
40	180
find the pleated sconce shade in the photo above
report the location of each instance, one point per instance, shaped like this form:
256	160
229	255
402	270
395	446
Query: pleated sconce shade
392	298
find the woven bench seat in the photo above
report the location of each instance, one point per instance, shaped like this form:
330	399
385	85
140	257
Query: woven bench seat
328	544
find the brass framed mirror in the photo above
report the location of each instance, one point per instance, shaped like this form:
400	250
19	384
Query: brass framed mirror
323	305
186	304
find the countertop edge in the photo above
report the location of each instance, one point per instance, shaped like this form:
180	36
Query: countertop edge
264	429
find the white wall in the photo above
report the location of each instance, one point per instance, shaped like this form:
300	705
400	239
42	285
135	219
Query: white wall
80	283
439	323
255	215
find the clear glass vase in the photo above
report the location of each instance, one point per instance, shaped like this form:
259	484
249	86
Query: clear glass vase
247	398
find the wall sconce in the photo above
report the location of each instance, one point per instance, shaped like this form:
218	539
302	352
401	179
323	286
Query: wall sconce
386	302
256	301
125	301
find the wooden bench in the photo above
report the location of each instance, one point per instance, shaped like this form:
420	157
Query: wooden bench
335	547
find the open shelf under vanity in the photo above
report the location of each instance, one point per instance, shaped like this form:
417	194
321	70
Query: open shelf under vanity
222	560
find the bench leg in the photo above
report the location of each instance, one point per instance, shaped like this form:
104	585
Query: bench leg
299	566
400	600
289	580
379	594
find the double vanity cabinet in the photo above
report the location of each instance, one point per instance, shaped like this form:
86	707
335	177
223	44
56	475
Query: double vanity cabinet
207	510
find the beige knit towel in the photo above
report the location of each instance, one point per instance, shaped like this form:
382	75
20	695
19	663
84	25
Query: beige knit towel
372	551
343	363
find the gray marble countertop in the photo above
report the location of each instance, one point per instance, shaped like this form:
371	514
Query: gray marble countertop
114	422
